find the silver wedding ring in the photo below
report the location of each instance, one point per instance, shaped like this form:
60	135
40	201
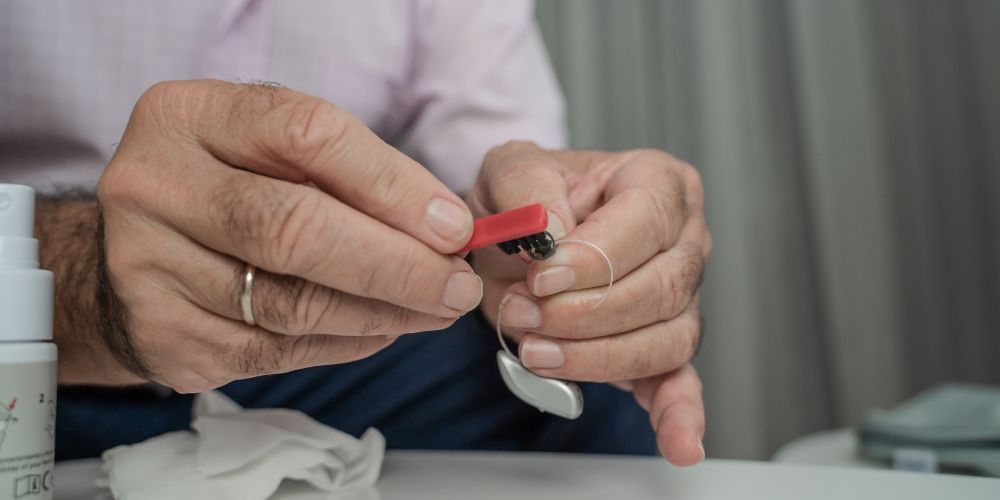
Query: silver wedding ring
246	297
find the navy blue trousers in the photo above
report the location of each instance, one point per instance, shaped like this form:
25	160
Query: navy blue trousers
436	390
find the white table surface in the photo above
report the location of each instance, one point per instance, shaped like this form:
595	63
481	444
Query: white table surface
837	447
524	476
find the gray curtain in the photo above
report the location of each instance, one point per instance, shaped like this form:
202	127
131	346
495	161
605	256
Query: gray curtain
851	156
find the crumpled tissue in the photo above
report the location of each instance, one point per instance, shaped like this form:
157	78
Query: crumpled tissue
239	454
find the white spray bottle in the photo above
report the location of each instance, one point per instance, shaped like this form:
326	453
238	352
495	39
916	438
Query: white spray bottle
27	354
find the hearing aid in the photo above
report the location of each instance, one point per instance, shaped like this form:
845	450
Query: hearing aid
514	231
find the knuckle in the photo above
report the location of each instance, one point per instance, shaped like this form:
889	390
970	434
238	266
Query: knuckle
695	379
497	154
375	323
384	187
289	303
652	156
323	303
261	217
604	358
693	269
683	186
639	366
673	197
656	200
514	162
669	293
204	378
130	180
262	354
298	225
253	100
387	320
558	318
404	321
361	347
115	182
677	279
109	186
241	208
153	100
402	279
695	185
441	324
299	352
696	331
400	319
199	375
167	90
315	126
310	304
574	318
369	282
663	159
686	344
509	183
407	279
516	172
172	102
163	337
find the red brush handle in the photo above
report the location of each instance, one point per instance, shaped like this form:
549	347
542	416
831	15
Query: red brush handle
506	226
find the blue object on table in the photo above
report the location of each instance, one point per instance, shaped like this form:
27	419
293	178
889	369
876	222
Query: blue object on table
955	426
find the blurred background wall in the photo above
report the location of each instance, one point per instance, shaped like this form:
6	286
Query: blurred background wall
851	155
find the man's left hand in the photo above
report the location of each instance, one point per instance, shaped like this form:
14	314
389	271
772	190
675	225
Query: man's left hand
644	208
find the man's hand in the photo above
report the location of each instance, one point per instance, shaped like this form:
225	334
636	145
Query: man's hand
352	239
644	208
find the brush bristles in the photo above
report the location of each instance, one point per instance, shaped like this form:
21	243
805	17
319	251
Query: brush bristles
539	244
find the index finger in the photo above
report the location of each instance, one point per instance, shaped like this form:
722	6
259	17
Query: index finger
293	229
289	135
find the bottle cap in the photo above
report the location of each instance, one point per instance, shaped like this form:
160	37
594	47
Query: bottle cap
25	290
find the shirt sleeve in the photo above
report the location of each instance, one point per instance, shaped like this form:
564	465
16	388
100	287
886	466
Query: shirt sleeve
481	77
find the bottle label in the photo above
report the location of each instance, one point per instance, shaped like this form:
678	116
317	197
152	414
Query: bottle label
27	430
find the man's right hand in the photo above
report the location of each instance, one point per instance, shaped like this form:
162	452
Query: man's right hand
352	239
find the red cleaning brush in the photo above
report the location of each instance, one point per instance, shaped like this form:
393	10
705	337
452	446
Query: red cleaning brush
514	231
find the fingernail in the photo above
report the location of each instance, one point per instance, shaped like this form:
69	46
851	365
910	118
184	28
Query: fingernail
448	220
520	312
701	446
463	291
553	280
556	227
541	353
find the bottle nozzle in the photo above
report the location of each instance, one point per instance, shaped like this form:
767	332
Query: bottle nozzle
18	246
17	211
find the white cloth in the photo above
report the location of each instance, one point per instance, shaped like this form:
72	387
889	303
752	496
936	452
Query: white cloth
241	454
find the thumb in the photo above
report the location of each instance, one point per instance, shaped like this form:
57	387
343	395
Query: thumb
518	174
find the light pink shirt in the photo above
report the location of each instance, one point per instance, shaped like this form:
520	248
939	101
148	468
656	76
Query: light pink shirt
447	78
